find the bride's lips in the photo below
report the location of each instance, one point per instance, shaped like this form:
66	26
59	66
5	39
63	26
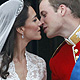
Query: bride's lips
39	30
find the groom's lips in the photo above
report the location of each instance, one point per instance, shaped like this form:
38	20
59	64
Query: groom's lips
45	29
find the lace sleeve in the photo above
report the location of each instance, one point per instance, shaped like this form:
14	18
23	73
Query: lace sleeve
43	68
36	67
45	71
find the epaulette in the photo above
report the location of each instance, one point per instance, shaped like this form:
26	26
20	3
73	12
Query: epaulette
58	48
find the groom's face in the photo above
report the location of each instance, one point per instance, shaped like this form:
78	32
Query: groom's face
49	19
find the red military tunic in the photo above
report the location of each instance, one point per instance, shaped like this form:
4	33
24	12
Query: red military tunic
62	63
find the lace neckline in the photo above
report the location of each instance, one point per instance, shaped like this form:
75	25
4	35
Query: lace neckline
13	64
36	68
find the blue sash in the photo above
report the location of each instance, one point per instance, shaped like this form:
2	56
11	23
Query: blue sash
75	75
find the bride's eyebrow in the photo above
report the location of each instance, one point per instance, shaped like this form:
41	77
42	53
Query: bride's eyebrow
35	16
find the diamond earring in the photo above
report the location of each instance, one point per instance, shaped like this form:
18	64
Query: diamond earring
22	35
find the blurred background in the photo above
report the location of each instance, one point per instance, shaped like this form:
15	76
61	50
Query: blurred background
44	47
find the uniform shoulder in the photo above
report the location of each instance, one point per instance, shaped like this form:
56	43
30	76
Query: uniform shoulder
58	48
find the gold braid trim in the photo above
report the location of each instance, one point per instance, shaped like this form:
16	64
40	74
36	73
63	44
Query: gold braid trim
57	49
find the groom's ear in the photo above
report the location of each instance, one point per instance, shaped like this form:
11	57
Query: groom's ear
62	9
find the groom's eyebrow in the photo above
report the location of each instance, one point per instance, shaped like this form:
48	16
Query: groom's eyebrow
43	12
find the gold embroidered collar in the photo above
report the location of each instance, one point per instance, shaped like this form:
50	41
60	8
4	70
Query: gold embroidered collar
74	38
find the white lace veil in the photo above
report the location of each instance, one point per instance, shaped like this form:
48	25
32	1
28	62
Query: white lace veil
8	13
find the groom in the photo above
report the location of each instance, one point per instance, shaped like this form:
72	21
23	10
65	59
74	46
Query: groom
62	18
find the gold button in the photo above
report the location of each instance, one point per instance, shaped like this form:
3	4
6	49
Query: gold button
77	57
76	51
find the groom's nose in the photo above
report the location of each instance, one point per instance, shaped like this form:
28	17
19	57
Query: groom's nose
42	20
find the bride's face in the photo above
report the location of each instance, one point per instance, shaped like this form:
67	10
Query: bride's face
32	26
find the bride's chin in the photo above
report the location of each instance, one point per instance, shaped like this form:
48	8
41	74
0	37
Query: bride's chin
39	37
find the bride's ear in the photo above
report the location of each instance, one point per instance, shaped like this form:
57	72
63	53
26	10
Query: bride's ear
20	30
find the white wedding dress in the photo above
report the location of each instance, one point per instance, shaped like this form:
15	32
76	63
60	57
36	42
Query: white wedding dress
36	67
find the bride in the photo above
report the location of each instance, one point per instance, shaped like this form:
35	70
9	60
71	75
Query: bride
18	26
